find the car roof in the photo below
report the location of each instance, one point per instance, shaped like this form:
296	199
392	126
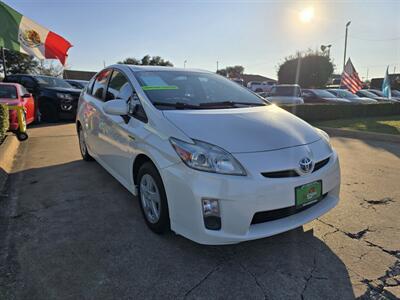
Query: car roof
10	83
135	68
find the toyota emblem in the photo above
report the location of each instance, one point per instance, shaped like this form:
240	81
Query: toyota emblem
306	165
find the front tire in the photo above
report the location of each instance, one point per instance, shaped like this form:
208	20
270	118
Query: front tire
82	146
153	199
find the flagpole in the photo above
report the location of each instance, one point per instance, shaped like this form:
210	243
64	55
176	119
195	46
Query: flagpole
3	58
345	44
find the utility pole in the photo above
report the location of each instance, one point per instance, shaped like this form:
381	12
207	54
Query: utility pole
394	69
184	63
345	44
367	73
217	65
3	58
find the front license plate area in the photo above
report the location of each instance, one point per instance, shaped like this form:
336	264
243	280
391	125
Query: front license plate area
308	193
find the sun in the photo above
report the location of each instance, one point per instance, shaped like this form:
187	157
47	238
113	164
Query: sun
306	14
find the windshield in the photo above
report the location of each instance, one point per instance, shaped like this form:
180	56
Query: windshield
290	91
367	94
8	92
378	93
194	90
395	93
324	94
345	94
45	81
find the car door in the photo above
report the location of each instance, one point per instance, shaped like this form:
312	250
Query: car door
117	137
92	111
28	103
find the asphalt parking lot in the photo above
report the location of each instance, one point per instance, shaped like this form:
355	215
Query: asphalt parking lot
71	231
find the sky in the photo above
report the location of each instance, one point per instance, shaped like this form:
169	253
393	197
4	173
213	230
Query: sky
255	34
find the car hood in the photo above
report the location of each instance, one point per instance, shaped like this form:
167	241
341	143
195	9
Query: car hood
63	90
239	130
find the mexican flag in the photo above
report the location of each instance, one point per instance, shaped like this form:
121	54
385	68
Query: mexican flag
20	33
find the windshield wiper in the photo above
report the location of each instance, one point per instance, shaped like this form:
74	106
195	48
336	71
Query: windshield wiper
177	105
230	104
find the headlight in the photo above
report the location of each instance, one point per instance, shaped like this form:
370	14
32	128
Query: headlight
65	96
206	157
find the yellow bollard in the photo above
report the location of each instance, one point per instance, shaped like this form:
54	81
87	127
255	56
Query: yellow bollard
21	133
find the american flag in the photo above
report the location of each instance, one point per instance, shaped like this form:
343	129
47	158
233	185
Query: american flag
350	79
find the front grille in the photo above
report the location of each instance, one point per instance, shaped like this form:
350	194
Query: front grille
271	215
293	173
320	164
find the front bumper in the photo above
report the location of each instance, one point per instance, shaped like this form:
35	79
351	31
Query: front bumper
240	197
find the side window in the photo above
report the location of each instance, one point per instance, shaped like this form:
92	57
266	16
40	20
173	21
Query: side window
28	82
119	87
89	87
307	94
24	91
100	84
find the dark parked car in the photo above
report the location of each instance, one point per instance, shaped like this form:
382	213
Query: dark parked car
78	84
345	94
380	94
321	96
368	94
54	97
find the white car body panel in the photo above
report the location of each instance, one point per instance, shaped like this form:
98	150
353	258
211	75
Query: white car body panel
262	139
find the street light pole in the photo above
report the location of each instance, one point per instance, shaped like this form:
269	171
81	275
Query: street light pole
3	58
345	44
184	63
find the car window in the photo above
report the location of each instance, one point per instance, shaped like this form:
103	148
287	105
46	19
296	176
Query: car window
193	88
119	87
23	90
307	94
14	79
89	86
8	92
28	82
100	84
48	81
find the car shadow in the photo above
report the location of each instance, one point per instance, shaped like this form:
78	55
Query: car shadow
75	232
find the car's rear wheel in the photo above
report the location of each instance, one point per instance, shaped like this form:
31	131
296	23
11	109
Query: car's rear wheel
82	145
153	200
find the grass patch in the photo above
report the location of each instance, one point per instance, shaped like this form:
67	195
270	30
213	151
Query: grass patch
389	124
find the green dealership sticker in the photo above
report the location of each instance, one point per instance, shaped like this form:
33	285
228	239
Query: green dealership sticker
159	88
308	193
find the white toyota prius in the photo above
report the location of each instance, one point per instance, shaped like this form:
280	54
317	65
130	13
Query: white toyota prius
207	158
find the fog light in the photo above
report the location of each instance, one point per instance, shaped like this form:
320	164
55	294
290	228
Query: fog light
211	214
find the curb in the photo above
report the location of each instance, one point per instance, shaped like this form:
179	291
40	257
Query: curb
382	137
8	149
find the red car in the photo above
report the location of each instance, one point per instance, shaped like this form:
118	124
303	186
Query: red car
15	94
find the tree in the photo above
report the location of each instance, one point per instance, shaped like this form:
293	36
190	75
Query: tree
232	72
18	63
49	69
309	70
147	60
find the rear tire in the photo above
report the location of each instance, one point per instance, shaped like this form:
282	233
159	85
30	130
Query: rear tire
48	112
82	146
153	199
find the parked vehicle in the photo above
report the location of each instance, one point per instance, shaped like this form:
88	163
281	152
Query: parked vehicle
353	98
321	96
55	98
380	94
14	94
206	157
396	93
78	84
259	87
368	94
285	94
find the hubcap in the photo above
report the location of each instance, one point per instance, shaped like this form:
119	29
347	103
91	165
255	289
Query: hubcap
150	198
82	144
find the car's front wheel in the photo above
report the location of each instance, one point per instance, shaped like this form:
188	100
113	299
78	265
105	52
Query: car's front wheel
82	145
153	199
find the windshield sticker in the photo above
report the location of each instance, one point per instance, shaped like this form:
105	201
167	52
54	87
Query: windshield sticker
159	88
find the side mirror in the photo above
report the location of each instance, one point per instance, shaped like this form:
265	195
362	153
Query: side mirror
116	107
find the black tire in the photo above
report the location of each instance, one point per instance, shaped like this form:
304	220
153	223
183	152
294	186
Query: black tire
49	112
22	136
162	225
82	146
